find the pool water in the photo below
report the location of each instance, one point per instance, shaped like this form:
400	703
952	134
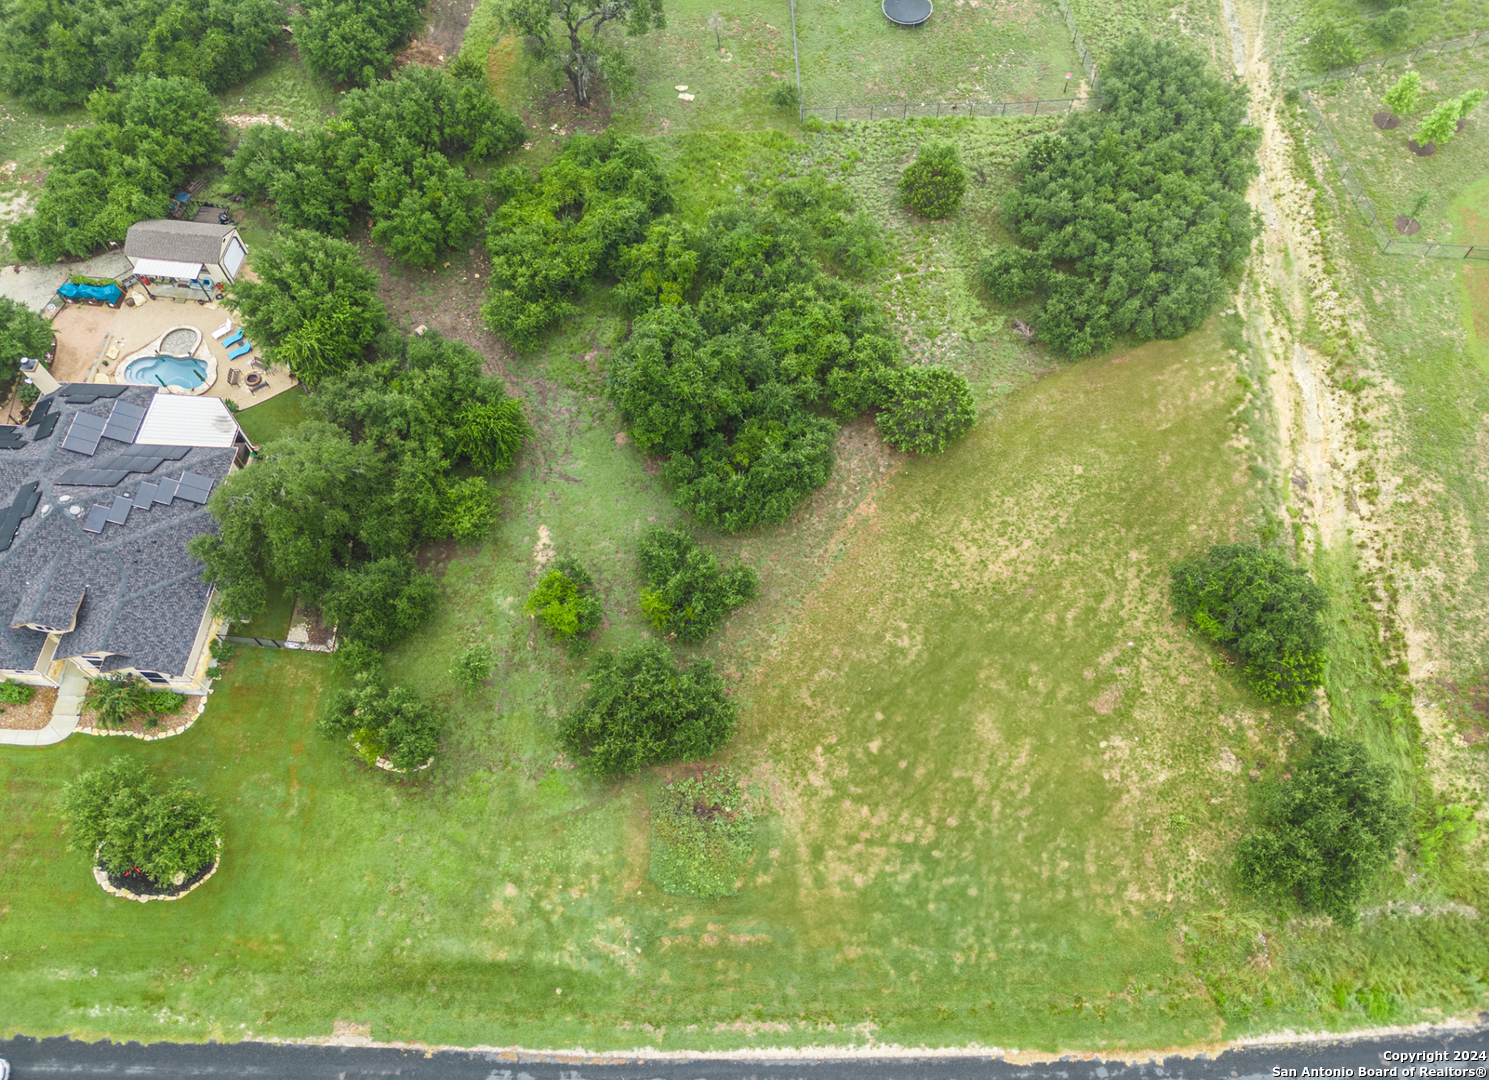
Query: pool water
185	371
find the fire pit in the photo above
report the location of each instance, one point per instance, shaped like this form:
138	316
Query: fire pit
252	379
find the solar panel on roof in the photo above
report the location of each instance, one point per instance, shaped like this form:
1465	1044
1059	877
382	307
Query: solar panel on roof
39	411
48	426
96	518
124	422
87	393
145	496
83	436
10	438
167	491
119	512
196	495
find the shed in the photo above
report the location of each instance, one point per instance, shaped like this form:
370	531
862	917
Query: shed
185	251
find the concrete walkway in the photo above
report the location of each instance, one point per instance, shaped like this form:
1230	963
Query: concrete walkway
65	714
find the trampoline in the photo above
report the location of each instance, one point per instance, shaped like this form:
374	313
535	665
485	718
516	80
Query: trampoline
907	12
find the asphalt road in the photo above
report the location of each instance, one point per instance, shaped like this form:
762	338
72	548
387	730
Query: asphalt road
1442	1056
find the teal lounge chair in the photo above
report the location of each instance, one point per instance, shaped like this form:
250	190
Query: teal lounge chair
233	338
242	350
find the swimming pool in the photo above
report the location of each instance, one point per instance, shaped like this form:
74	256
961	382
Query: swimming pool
185	371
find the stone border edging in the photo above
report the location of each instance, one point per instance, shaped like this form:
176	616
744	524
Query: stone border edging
101	876
386	764
150	736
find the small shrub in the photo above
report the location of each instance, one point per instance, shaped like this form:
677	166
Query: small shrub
565	601
383	722
1392	27
640	709
115	811
1444	833
1324	833
1332	47
934	183
472	667
784	95
702	835
686	593
1439	125
928	408
16	693
121	699
1255	603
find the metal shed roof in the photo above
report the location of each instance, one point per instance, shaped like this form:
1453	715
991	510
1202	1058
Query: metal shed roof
179	420
177	241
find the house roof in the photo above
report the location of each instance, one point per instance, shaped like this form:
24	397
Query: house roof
102	536
177	241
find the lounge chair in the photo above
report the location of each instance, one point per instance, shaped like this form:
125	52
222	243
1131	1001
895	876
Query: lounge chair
233	376
233	339
223	329
242	350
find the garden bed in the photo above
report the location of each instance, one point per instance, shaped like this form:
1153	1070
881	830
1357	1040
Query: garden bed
136	886
32	716
170	724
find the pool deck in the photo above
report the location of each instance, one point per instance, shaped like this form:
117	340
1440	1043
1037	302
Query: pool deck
86	336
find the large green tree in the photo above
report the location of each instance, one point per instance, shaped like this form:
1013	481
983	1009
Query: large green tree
1133	215
314	306
1325	833
396	154
354	41
22	333
1255	603
149	136
641	709
576	37
54	53
550	238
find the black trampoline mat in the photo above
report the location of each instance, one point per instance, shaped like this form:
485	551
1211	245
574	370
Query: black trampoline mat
907	12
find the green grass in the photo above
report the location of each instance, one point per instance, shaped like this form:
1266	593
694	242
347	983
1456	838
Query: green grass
26	138
283	88
274	621
1391	174
971	50
1105	23
1290	22
271	419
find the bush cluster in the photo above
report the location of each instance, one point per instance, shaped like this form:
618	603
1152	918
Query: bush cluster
382	722
313	306
147	137
565	601
640	708
1134	214
472	667
394	155
739	343
933	185
354	41
121	699
1324	833
334	508
54	54
702	835
687	595
115	810
550	237
1254	603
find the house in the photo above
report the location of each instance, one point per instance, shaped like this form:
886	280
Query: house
184	257
100	493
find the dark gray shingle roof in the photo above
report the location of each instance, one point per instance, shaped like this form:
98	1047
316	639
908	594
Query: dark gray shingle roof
142	594
180	241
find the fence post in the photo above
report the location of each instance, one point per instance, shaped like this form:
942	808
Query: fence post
1036	108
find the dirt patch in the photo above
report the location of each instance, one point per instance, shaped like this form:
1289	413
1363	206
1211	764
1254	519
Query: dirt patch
436	558
30	717
444	33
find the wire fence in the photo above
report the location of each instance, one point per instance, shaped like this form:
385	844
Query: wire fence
1042	107
1045	107
1087	64
1388	244
1366	67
